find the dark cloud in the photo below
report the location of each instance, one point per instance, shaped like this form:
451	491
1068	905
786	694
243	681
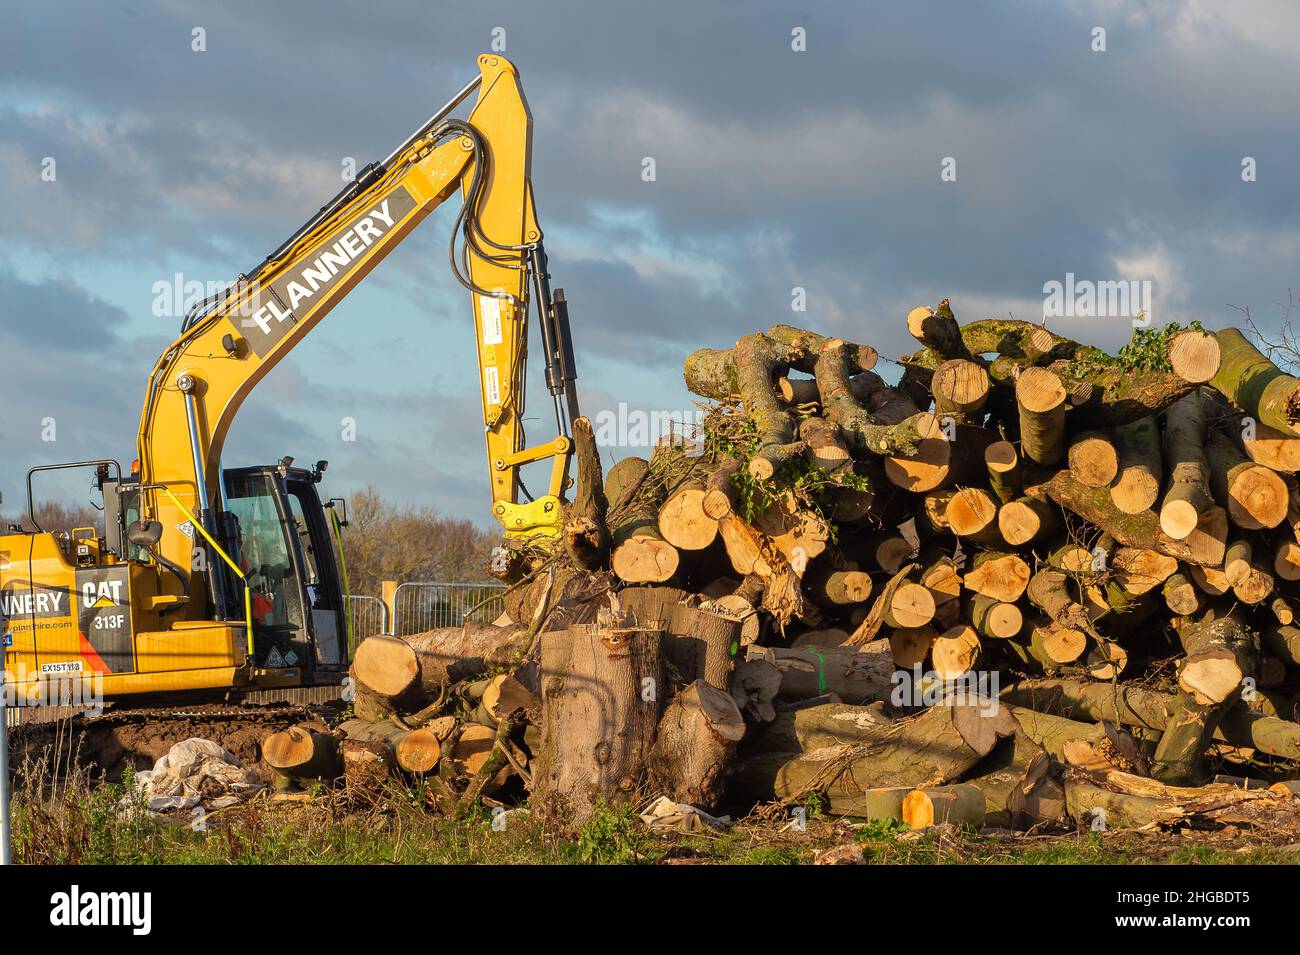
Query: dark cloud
774	169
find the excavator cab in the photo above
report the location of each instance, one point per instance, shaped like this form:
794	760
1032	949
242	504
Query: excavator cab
280	539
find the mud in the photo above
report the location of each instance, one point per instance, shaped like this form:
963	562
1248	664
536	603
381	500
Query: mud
106	745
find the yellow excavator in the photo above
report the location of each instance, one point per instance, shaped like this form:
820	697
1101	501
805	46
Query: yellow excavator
228	582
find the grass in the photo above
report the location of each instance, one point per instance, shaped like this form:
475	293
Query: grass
104	825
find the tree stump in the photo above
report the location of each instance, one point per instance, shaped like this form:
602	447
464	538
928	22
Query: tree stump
602	695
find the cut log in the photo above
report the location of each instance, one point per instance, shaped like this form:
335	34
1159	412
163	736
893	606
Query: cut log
909	646
932	512
1194	355
1286	560
973	512
721	492
744	546
389	671
1181	595
1254	384
1026	520
936	747
910	605
854	674
1093	459
472	748
1106	660
1211	580
1003	466
302	753
1278	450
414	750
1140	570
938	330
798	391
1003	577
960	388
1179	756
1204	546
682	521
1052	591
800	534
697	736
955	652
703	644
602	695
640	555
994	618
1187	495
1074	559
945	453
1284	643
1054	646
1137	484
891	551
648	606
1282	611
1219	657
1041	399
451	654
1255	496
1148	709
1250	584
824	444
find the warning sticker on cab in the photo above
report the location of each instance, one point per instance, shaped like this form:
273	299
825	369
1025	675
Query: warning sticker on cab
71	666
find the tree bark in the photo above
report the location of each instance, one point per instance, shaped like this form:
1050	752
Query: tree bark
702	645
1187	495
697	735
1137	485
1254	384
1041	398
1135	530
599	716
1255	496
586	537
640	555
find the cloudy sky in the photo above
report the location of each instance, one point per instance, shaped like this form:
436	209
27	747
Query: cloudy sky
775	169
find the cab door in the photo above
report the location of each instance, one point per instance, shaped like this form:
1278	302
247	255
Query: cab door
321	587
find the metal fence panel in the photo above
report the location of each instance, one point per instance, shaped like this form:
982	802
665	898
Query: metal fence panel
368	617
427	605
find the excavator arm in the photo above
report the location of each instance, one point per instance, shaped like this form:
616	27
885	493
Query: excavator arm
230	344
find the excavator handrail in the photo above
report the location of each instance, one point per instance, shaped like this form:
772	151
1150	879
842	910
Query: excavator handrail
198	526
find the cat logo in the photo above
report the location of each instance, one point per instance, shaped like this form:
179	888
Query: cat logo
104	619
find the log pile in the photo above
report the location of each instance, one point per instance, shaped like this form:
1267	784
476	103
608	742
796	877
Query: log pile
1028	583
